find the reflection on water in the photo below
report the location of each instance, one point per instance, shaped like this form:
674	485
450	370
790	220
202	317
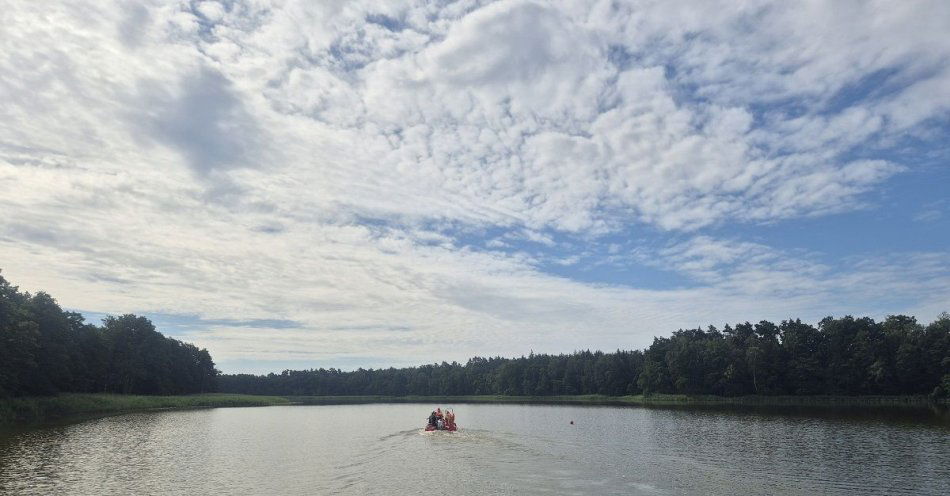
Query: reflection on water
501	449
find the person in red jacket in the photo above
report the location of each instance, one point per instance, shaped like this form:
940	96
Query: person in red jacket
450	420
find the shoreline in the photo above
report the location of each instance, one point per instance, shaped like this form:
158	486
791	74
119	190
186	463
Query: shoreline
773	403
43	409
38	410
637	400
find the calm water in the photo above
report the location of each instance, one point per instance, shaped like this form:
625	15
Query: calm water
501	449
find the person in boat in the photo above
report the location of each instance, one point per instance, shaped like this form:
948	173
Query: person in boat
439	421
450	420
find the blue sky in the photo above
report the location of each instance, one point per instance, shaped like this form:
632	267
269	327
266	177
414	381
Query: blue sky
298	184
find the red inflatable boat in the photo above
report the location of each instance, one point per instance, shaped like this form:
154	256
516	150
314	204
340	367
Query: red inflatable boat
450	428
441	422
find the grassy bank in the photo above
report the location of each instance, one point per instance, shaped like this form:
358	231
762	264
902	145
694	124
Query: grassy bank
43	409
638	400
68	406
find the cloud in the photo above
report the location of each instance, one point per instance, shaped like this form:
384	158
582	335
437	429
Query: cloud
362	164
515	113
932	211
131	27
212	11
205	121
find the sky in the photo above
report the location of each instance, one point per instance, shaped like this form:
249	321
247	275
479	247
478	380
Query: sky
300	184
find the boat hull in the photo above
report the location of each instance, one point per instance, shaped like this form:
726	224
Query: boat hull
430	428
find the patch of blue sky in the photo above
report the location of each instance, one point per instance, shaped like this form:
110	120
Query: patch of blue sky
622	258
784	108
185	321
613	259
496	238
874	86
94	318
621	57
632	275
182	325
390	23
909	213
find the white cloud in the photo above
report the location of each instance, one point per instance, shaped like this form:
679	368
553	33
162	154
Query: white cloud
514	113
212	11
311	160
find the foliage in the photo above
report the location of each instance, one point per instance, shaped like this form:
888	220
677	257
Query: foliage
44	351
844	356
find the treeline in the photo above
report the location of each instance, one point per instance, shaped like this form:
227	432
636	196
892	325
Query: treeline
844	356
44	350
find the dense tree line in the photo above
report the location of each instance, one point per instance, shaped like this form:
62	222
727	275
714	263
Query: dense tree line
44	350
844	356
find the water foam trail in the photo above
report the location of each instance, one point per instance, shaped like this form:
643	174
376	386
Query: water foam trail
399	434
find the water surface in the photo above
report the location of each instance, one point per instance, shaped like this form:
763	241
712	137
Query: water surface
501	449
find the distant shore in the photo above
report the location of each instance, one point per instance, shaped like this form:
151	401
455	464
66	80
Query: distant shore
32	410
638	400
64	406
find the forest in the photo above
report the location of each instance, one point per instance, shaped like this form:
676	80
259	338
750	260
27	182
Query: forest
843	356
45	350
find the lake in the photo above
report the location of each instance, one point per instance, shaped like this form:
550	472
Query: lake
500	449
